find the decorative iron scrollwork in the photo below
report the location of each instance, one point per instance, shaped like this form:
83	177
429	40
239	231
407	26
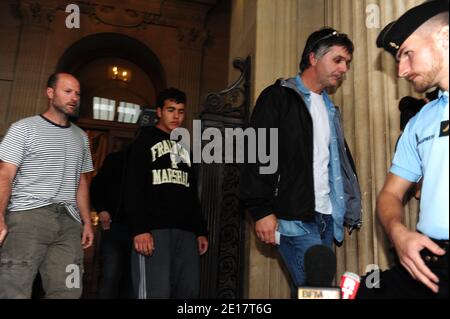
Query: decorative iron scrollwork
224	273
231	102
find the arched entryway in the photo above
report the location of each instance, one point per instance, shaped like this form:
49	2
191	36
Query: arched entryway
92	60
116	45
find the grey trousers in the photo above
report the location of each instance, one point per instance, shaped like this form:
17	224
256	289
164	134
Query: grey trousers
172	272
45	239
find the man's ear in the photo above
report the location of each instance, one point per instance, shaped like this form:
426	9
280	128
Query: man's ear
50	92
443	37
312	59
158	112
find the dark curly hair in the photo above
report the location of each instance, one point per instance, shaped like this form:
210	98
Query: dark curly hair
170	94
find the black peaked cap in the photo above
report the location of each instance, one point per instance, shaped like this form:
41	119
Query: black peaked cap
395	33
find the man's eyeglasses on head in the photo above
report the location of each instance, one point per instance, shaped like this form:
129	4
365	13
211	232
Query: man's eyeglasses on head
332	34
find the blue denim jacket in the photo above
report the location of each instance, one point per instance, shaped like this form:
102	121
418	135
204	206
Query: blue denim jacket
337	149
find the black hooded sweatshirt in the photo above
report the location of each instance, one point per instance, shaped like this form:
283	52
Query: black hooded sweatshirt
161	189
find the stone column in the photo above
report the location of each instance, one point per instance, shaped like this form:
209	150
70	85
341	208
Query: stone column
28	82
191	43
276	56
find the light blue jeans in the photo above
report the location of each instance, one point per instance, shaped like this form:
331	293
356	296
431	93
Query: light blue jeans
293	248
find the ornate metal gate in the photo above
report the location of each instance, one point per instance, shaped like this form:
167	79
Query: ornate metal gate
223	266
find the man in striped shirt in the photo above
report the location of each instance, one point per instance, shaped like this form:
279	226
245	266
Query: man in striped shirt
44	203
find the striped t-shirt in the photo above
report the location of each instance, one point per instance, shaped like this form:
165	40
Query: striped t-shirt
50	159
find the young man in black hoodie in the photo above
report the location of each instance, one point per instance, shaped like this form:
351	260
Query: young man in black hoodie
168	229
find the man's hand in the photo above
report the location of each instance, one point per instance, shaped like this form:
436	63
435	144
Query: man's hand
265	229
105	220
88	236
3	231
144	244
408	245
7	174
202	244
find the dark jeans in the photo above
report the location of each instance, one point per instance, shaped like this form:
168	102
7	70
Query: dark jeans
115	268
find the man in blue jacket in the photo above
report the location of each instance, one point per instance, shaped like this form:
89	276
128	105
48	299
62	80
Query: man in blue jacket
315	190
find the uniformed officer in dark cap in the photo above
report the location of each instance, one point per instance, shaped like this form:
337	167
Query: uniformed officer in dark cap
419	41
